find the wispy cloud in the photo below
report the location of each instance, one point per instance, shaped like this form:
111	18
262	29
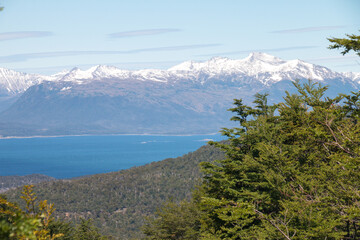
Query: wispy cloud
307	29
28	56
337	58
259	50
144	32
121	65
357	63
20	35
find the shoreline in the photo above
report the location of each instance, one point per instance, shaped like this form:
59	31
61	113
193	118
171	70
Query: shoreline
94	135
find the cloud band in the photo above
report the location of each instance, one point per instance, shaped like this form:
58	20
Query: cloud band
260	50
28	56
21	35
145	32
307	29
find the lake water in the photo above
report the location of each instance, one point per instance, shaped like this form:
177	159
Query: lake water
73	156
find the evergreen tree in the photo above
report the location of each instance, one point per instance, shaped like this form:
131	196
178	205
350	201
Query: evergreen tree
294	175
348	44
86	230
174	221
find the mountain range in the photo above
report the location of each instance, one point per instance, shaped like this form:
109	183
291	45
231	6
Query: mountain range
189	98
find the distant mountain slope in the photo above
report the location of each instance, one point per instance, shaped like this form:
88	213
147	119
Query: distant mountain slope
120	201
13	84
191	97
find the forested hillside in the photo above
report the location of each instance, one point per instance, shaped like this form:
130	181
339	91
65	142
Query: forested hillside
120	201
7	182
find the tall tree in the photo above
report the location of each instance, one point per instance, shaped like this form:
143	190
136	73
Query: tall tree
174	221
294	175
352	42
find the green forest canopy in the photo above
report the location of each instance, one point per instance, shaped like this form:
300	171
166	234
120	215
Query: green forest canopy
290	175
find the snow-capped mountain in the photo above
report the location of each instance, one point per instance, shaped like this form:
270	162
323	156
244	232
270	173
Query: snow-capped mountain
191	97
261	67
12	82
354	76
265	68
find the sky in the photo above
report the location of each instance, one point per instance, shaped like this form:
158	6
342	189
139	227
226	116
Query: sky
48	36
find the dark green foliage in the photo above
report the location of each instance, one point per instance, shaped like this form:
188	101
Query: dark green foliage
119	202
86	230
241	111
289	176
66	228
348	44
174	221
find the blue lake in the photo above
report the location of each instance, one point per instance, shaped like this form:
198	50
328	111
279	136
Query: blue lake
73	156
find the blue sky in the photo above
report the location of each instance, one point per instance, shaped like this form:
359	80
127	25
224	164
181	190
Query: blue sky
47	36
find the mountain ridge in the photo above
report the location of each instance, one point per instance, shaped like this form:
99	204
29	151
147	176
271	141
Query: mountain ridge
255	64
189	98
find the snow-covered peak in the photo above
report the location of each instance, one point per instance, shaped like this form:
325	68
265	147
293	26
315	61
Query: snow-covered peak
215	62
103	71
185	66
12	82
151	75
355	76
263	57
257	67
97	72
255	62
264	67
60	74
78	74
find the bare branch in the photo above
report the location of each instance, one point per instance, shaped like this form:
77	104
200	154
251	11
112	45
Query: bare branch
272	223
